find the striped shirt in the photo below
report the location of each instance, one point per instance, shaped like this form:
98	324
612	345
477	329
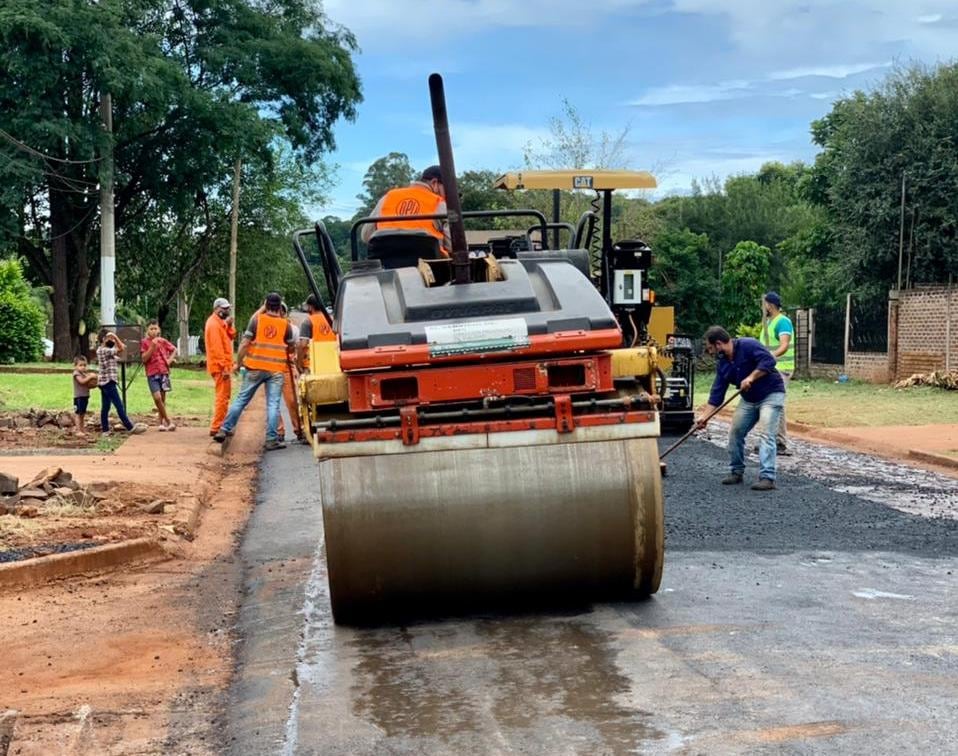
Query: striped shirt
106	356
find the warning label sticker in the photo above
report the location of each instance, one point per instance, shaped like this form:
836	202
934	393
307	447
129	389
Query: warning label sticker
477	336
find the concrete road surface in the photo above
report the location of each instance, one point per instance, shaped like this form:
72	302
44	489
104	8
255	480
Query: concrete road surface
821	618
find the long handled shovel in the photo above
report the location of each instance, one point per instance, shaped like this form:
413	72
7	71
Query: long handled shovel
694	428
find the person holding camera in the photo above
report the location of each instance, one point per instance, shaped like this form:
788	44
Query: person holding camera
107	380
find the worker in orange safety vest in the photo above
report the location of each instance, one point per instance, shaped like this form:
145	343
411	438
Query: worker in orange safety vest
265	351
427	196
315	328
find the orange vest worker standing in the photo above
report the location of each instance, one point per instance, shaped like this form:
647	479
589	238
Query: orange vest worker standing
218	337
265	350
315	328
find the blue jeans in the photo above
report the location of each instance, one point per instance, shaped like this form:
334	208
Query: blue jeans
252	380
766	414
110	394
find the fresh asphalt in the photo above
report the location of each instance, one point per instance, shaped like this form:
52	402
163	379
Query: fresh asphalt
819	618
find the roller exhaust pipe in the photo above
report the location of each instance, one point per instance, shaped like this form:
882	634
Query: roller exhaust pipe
447	166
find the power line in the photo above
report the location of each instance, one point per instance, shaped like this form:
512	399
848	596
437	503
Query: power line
31	151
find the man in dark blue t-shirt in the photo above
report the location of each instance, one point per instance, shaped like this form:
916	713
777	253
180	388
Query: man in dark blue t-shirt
748	365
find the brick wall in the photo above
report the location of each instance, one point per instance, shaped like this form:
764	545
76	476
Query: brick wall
871	367
925	338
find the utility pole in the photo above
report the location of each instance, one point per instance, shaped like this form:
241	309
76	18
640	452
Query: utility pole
901	229
234	228
107	233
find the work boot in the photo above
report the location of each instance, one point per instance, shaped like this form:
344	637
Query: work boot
764	484
273	445
220	436
782	450
732	479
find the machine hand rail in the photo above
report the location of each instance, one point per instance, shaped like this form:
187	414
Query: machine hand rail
331	276
555	225
588	218
354	231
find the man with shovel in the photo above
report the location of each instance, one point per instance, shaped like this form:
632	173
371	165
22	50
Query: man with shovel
746	364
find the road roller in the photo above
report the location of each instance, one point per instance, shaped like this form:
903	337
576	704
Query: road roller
484	437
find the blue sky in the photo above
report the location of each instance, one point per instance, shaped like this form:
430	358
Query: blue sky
706	87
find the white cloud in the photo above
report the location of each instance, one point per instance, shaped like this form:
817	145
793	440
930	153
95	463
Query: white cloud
676	94
399	24
800	31
835	71
930	18
479	145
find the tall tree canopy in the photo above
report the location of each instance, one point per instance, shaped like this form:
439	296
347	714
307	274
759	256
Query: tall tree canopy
195	84
907	127
386	173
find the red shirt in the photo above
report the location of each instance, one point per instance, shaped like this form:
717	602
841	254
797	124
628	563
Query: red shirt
159	362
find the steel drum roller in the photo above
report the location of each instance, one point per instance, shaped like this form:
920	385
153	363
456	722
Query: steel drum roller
472	527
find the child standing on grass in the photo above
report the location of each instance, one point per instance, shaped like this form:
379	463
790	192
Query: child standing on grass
107	378
158	354
83	381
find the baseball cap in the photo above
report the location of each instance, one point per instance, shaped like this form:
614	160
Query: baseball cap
773	299
274	300
432	172
221	302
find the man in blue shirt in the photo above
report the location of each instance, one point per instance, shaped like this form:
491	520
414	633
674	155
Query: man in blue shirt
749	366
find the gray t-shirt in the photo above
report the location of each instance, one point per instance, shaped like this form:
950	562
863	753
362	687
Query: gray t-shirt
80	389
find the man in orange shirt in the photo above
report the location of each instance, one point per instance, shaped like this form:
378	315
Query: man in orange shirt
427	196
218	337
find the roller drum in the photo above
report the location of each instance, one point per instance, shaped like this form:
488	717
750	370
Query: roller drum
435	533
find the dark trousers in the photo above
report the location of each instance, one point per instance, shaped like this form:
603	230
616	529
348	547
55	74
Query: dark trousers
110	394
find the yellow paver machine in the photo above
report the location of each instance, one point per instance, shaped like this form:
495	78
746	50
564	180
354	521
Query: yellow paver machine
485	425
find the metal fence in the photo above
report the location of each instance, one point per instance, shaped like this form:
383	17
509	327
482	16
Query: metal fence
869	326
828	337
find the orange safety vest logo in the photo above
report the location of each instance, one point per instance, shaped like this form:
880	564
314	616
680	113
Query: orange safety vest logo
267	351
409	206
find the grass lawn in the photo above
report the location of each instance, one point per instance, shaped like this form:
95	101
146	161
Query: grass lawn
827	404
192	393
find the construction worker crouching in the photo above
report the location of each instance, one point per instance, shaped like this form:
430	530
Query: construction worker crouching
265	351
427	196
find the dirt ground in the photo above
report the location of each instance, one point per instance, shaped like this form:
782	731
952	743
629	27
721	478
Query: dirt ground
134	661
27	436
151	468
897	442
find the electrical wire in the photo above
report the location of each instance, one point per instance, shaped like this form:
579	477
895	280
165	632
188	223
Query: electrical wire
31	151
635	331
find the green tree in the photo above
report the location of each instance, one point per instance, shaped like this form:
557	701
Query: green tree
21	319
195	83
907	127
383	174
680	277
744	280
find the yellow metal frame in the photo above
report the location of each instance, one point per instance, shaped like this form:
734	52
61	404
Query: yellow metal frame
584	179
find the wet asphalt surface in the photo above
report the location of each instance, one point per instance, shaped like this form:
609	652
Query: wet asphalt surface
820	618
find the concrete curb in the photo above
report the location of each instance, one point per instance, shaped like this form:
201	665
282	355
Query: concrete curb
42	569
932	458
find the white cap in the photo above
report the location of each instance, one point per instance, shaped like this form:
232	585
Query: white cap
220	302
